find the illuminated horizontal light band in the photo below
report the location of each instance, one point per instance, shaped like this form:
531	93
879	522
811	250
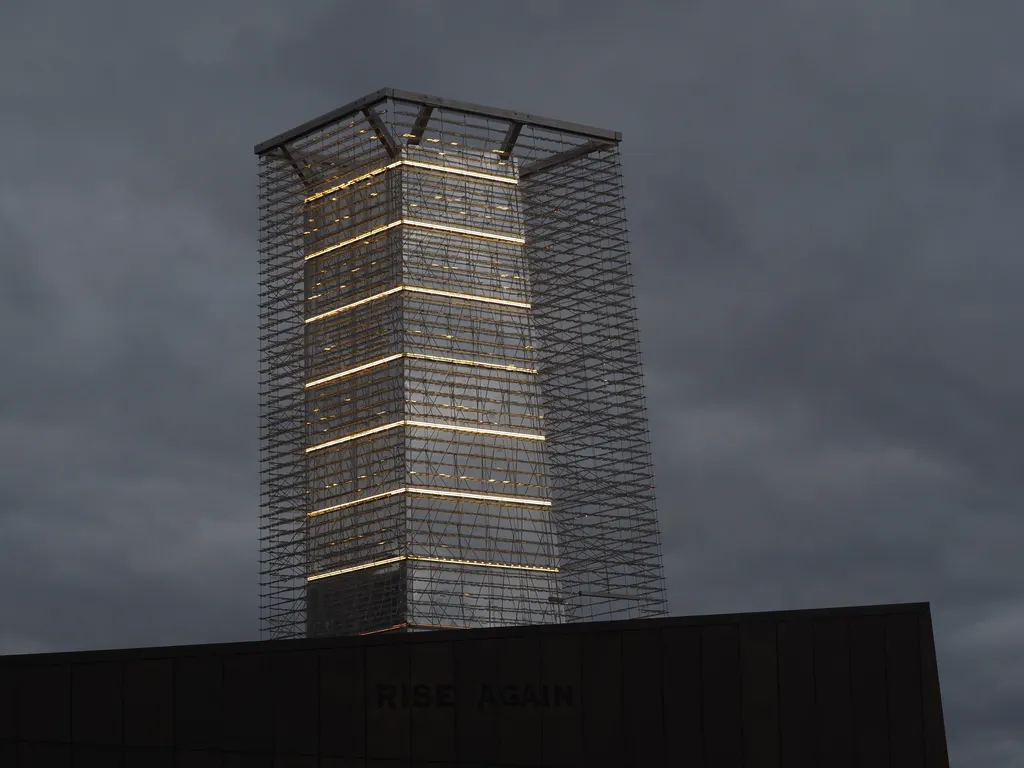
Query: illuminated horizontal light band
355	502
353	371
482	564
485	497
424	559
481	497
424	425
474	363
350	182
469	297
349	241
415	356
483	234
414	164
427	291
464	231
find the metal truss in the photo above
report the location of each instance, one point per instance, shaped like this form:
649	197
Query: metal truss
453	423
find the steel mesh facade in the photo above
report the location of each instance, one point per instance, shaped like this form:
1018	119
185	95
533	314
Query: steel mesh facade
453	426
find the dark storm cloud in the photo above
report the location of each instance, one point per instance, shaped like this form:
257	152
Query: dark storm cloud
825	210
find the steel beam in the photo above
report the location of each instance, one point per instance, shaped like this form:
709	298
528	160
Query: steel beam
510	139
547	163
383	134
424	100
420	126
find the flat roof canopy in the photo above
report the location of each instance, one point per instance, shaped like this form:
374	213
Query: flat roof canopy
386	94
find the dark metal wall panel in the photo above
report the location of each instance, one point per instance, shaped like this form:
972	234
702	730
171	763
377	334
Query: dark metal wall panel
834	716
197	759
198	703
903	684
343	703
46	703
830	689
868	689
45	756
296	762
148	758
148	689
246	760
388	717
796	694
520	731
561	670
683	694
643	682
476	665
91	756
759	667
601	698
433	710
96	699
10	702
722	693
295	702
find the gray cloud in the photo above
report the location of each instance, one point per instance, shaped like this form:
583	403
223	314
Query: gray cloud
824	200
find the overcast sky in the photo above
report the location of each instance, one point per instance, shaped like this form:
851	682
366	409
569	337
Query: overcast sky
825	201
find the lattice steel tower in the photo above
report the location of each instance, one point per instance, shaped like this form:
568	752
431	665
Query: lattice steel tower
453	423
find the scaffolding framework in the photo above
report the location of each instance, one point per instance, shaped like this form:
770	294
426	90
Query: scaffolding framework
453	423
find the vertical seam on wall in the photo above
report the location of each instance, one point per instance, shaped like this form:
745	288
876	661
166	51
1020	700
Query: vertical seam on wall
120	669
661	678
71	707
700	701
622	698
918	634
885	685
319	707
849	674
740	634
778	690
814	694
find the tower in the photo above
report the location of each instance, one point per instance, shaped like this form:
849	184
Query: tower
453	423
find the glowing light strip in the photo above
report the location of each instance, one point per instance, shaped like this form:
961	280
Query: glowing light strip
475	363
354	304
350	182
460	172
469	297
353	436
416	356
424	425
414	289
481	497
463	231
354	568
414	164
476	430
422	225
352	371
351	240
484	564
424	559
528	501
354	502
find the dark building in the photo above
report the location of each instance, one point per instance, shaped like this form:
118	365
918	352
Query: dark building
838	688
454	430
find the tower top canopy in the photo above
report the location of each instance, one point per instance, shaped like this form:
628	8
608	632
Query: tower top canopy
407	97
